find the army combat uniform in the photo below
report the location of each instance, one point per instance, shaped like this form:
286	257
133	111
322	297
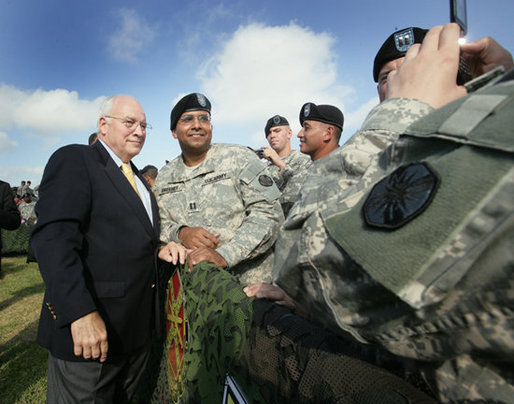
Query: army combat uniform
290	179
345	166
422	264
230	193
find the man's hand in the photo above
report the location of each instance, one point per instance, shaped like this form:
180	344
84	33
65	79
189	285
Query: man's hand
173	252
272	156
196	237
272	292
429	71
484	55
90	337
206	254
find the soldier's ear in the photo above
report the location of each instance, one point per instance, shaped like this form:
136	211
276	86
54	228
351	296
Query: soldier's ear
329	133
174	134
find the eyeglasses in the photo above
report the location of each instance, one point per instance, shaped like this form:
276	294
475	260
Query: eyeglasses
131	124
204	118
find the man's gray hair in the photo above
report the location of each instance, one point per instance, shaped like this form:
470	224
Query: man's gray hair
106	109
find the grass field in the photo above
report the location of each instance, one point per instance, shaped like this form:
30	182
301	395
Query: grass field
22	362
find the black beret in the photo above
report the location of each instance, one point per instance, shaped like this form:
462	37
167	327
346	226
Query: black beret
322	113
396	46
190	102
276	120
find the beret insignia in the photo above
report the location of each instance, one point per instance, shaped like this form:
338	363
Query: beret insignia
307	110
401	196
201	99
404	39
276	119
265	180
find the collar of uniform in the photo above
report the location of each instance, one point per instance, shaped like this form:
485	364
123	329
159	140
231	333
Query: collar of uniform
180	172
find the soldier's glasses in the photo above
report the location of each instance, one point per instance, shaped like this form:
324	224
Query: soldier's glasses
131	124
190	118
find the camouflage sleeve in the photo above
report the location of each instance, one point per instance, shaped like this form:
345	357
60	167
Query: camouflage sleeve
259	228
382	126
298	165
348	163
169	226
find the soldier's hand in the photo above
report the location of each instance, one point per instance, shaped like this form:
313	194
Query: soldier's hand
206	254
272	292
173	252
271	155
484	55
429	71
90	337
196	237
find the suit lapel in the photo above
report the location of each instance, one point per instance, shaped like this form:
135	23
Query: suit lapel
121	185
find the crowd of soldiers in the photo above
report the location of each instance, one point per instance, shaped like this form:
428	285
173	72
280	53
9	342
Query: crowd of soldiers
401	239
375	271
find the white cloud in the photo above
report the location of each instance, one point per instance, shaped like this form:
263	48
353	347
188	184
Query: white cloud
51	112
6	144
131	37
261	71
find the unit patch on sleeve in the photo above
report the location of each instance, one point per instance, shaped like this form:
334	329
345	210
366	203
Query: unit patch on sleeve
401	196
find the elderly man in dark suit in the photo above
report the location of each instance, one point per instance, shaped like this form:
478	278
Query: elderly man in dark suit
9	214
96	256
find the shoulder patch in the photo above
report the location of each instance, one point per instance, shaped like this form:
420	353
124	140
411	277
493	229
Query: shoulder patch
265	180
401	196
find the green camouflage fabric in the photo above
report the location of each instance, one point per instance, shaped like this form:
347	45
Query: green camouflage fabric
219	316
231	193
440	288
290	179
274	355
346	165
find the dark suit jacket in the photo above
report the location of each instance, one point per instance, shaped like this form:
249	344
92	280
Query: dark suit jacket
9	214
95	247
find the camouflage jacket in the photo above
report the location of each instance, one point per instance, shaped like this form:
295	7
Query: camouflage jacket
423	263
290	179
27	210
346	165
230	193
295	161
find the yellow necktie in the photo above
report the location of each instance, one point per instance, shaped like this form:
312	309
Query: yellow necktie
127	170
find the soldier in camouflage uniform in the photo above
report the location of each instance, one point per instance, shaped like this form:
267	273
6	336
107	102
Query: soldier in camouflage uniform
217	199
322	126
26	208
284	163
422	264
347	164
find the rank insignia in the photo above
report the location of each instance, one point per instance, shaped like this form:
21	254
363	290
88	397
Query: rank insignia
176	335
401	196
403	40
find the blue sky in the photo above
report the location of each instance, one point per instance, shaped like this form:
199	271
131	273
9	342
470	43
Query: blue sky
252	59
